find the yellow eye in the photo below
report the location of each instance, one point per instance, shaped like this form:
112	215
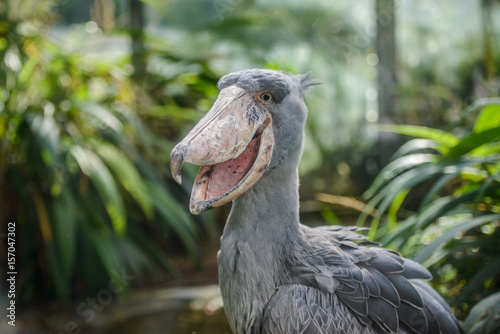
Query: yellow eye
266	97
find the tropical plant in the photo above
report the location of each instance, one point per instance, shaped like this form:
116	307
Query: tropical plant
81	173
440	202
484	317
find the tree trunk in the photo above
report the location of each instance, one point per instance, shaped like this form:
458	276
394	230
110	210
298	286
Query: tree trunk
386	71
137	35
386	51
489	59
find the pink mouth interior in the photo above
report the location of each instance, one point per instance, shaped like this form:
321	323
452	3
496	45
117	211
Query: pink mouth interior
226	175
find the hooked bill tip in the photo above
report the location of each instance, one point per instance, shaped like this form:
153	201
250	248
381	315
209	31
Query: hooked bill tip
176	162
177	178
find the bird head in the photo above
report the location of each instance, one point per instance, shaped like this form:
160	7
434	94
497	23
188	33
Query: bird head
255	125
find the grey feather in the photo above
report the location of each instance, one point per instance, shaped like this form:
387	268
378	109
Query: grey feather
384	314
406	291
438	307
387	291
415	270
414	318
371	283
386	263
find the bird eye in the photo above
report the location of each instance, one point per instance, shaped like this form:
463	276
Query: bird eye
266	97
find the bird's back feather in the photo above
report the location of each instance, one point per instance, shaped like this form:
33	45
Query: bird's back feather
339	285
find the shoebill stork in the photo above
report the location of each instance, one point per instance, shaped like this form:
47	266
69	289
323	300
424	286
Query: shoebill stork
277	275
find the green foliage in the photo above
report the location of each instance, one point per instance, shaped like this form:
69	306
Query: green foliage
81	171
485	316
441	198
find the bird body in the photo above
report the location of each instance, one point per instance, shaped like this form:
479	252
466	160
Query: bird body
276	275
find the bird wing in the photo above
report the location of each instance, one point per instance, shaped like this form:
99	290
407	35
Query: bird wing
302	309
376	286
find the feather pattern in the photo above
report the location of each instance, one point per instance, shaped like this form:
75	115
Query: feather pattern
375	288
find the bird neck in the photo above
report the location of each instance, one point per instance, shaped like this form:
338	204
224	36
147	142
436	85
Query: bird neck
262	226
269	209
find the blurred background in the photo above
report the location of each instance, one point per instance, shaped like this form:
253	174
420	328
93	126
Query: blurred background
402	137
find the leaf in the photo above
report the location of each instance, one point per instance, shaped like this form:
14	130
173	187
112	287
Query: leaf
389	191
416	146
64	226
442	137
135	258
395	168
472	142
92	166
141	134
449	171
407	181
177	218
43	216
428	250
144	241
487	271
60	282
101	114
373	228
127	174
403	231
477	105
441	207
491	184
46	133
27	71
486	150
108	252
453	249
438	186
488	118
392	217
482	310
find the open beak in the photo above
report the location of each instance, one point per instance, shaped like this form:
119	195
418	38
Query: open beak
233	143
